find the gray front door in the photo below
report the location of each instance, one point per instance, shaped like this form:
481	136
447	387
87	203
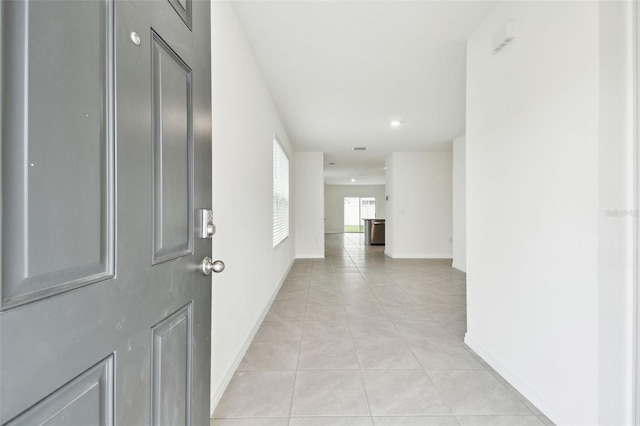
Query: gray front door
105	160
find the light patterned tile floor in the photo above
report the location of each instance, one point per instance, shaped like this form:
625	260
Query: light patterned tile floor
359	338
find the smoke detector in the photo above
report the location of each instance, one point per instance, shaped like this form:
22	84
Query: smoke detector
504	36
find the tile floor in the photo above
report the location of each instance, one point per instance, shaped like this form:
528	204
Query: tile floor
359	338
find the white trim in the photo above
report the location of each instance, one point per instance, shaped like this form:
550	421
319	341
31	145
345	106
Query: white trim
461	268
215	399
446	256
636	266
517	382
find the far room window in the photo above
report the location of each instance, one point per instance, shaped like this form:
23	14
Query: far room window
280	193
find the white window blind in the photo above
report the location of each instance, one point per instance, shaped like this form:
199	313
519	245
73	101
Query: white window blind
280	193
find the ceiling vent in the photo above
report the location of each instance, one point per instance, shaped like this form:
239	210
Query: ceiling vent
359	148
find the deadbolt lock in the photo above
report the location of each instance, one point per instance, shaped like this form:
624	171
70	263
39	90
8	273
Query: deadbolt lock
206	228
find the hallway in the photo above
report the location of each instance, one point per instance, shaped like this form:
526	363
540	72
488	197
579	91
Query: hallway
359	338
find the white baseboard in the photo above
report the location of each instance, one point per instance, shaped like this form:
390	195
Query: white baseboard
462	268
309	256
420	256
215	399
517	382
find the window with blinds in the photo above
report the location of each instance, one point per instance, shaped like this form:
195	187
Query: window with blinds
280	193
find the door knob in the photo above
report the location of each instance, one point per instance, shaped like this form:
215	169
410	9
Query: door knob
209	266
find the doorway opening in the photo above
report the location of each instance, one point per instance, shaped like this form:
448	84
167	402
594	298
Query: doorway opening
356	209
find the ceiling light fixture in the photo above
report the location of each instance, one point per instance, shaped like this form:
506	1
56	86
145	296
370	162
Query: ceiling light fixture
395	123
353	180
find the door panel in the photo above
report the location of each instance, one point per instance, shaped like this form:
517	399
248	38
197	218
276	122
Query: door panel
86	400
99	313
183	9
173	153
172	345
58	229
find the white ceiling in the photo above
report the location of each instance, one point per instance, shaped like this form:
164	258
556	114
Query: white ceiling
340	71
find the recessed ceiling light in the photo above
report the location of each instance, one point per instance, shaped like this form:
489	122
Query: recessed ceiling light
359	148
395	123
353	180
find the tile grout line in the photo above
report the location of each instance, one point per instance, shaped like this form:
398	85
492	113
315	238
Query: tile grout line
295	373
355	349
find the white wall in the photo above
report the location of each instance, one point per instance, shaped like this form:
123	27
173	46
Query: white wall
459	205
545	300
309	204
419	209
334	203
244	120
